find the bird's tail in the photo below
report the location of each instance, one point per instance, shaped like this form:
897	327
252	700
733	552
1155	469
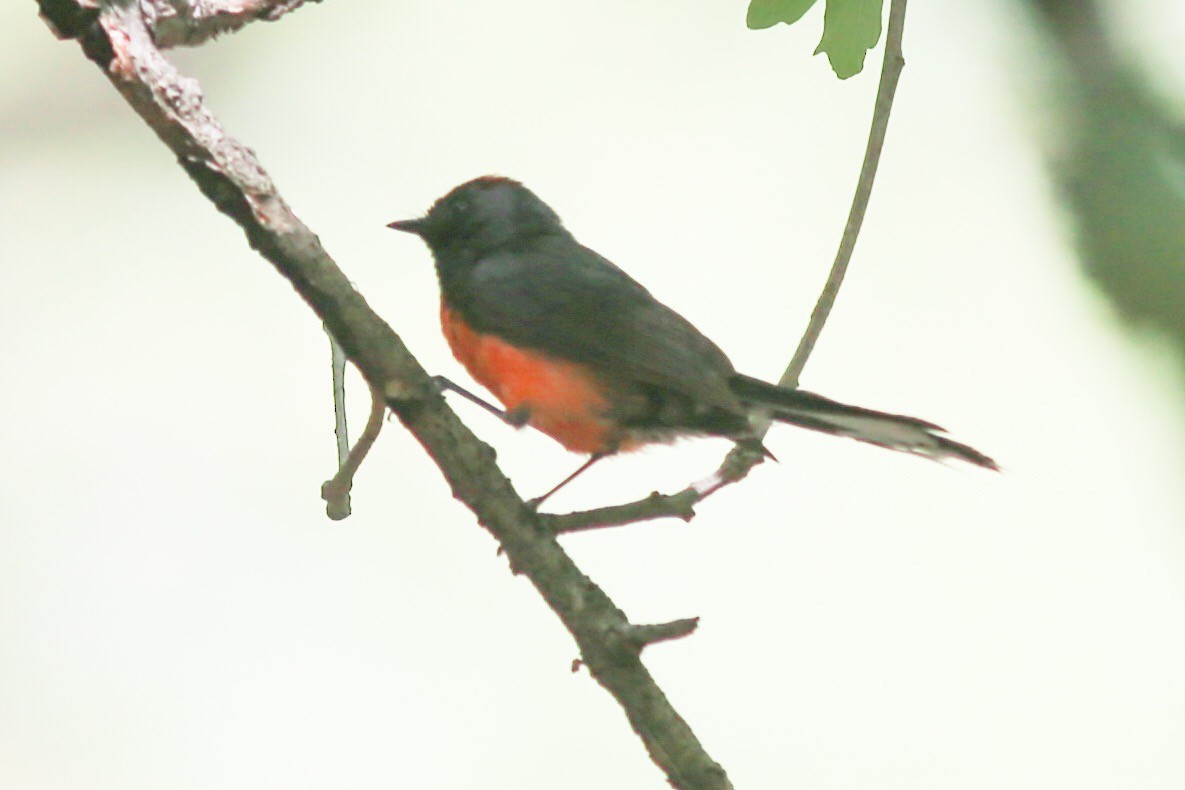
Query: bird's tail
894	431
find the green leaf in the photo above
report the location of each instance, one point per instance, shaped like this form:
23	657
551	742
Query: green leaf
767	13
850	29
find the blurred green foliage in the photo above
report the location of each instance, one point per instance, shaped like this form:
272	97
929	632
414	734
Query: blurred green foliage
1118	160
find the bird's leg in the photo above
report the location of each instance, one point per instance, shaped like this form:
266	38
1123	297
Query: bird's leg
514	417
592	459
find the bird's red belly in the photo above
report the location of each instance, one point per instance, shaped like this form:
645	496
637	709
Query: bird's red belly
561	399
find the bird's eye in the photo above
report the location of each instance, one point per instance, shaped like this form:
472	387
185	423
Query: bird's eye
461	205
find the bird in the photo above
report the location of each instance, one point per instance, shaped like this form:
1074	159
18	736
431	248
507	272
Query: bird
574	347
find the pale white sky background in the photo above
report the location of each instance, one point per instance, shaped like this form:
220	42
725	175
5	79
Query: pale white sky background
176	612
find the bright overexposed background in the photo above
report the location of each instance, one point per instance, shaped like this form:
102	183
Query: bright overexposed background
177	612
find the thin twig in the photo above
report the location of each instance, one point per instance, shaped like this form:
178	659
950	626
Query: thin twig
654	506
886	90
336	491
743	457
337	502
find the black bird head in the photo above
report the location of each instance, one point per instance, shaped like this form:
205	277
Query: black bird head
480	216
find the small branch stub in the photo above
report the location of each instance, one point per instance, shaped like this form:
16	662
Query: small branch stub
643	635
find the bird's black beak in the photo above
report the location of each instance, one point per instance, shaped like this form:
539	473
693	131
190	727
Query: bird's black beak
415	226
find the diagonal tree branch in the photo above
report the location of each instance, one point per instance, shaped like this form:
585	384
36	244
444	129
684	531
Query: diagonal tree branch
117	38
745	455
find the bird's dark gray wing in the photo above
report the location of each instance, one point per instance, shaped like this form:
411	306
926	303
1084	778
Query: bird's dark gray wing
550	294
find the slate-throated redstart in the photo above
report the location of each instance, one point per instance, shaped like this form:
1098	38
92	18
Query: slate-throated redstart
576	348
